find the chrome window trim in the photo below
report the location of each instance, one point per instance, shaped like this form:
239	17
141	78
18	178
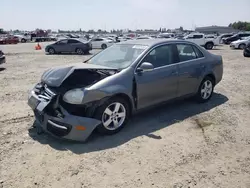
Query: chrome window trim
168	43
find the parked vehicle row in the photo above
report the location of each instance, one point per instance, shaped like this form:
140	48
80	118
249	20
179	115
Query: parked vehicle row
235	37
240	44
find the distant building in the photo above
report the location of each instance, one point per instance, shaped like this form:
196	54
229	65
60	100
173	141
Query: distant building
216	29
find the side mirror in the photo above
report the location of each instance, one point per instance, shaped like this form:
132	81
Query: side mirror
145	67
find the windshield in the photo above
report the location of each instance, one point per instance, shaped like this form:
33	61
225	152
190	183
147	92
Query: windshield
118	56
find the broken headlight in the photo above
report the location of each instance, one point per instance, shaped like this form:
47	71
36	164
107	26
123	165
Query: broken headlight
74	96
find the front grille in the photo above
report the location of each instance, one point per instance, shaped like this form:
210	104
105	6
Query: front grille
43	92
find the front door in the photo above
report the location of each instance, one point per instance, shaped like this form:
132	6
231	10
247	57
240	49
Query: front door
160	84
62	46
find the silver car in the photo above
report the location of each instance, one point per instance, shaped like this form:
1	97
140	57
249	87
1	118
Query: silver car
103	92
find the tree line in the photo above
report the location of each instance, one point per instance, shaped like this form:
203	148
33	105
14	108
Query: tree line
243	26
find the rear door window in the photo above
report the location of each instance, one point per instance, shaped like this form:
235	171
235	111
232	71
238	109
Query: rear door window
186	52
71	41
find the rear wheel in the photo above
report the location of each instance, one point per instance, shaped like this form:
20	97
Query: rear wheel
23	40
209	46
242	46
206	89
113	114
104	46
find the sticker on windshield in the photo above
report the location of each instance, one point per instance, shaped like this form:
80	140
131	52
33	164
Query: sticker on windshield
141	47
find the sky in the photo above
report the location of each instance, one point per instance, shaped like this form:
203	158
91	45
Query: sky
120	14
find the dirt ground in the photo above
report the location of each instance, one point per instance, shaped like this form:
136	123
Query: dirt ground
178	145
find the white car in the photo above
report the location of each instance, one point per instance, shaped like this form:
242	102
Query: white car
202	40
240	44
102	43
23	38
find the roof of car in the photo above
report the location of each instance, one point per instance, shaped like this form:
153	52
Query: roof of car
150	42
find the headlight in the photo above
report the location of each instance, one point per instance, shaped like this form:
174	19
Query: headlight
74	96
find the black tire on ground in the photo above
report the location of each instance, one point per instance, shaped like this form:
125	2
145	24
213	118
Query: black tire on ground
79	51
242	46
246	55
209	45
86	52
51	50
99	114
200	97
23	40
104	46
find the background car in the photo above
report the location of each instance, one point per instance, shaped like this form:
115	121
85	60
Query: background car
246	51
10	39
235	37
101	43
240	44
78	46
2	57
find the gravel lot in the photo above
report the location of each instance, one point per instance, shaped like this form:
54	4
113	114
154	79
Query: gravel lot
182	144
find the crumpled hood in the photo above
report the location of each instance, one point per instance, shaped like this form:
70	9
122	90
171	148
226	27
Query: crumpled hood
54	77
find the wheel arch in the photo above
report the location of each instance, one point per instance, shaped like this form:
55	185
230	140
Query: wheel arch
126	97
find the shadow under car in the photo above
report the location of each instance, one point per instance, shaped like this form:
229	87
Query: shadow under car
144	123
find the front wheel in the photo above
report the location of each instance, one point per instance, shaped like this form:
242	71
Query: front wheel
206	90
113	114
242	46
79	51
51	51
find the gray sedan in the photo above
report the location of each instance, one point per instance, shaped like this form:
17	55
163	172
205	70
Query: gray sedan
102	93
78	46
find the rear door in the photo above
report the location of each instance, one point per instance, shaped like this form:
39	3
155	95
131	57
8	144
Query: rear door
96	43
189	67
159	84
199	39
73	45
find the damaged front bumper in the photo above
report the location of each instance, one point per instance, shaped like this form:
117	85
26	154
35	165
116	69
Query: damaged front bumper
63	125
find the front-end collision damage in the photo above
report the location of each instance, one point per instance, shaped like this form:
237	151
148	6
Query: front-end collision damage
63	119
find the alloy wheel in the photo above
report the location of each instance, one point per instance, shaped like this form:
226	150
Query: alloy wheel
114	116
206	89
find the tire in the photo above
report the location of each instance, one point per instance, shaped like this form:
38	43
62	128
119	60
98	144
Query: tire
242	46
206	86
108	114
86	52
209	46
104	46
51	51
79	51
246	55
23	40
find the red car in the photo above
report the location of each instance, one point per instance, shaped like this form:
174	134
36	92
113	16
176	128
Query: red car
9	40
